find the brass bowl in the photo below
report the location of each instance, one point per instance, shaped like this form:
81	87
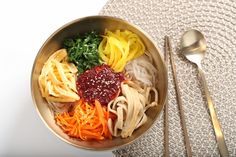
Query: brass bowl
99	24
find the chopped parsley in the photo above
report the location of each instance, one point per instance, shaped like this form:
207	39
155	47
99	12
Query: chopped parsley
83	51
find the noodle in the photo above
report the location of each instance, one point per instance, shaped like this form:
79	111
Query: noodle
130	108
142	71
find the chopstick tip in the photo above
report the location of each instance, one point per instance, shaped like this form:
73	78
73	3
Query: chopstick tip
167	37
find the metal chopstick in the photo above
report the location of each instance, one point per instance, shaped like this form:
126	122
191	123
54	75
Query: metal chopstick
179	101
166	119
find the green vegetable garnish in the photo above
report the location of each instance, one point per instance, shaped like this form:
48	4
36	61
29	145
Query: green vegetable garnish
83	51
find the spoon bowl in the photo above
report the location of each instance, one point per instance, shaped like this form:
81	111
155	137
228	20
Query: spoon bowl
193	46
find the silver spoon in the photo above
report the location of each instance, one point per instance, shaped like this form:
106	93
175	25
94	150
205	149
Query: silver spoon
193	47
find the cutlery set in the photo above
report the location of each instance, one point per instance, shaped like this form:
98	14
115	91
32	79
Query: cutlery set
193	47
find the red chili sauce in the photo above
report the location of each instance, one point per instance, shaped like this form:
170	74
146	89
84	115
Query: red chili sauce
99	83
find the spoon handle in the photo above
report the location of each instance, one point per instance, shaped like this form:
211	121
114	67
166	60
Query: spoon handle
216	124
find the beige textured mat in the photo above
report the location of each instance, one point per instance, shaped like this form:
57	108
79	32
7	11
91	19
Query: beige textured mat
217	21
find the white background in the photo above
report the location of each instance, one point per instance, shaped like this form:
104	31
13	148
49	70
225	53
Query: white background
24	26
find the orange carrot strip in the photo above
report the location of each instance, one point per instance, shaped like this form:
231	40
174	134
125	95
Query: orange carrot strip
86	121
100	114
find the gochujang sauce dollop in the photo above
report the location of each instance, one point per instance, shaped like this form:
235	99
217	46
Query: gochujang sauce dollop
100	83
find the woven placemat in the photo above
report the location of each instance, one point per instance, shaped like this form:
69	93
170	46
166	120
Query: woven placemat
217	21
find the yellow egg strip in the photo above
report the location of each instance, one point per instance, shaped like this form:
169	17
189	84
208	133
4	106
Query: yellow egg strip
119	47
57	79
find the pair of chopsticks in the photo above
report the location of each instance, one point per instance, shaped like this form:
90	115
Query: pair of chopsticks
168	52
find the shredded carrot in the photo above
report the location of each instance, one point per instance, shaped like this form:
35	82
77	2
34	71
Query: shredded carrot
87	121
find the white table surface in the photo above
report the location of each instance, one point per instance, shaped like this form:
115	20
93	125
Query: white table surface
24	26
